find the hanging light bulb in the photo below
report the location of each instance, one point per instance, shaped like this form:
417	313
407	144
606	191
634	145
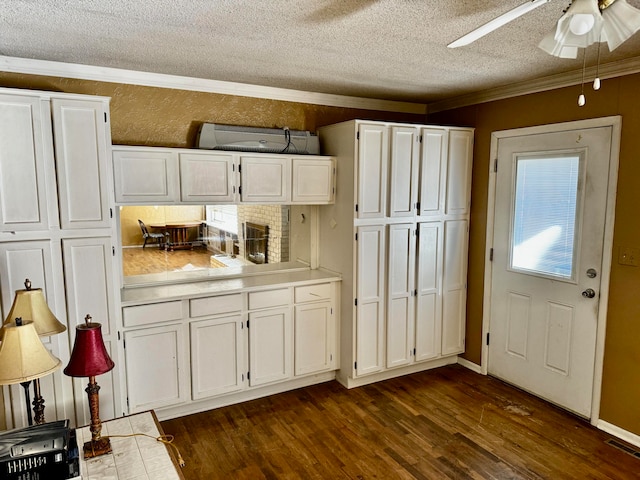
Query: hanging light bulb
581	23
582	100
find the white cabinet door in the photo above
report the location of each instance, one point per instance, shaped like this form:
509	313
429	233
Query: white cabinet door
88	272
429	298
312	180
206	177
156	367
265	179
400	299
370	296
270	346
372	164
454	290
145	176
25	141
433	162
35	260
314	338
82	142
458	184
403	171
217	356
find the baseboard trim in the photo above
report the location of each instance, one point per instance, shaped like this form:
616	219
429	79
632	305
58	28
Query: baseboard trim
621	433
474	367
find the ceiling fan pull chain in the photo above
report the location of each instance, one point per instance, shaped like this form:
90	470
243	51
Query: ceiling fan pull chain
581	99
596	81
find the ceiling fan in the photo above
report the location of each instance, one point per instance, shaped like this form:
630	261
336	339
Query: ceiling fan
583	23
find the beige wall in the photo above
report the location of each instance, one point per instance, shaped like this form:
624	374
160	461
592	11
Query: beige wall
621	96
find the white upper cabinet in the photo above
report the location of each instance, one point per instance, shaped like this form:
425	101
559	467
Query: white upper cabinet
403	170
207	177
82	148
372	165
264	179
312	180
152	175
433	162
25	134
460	156
145	175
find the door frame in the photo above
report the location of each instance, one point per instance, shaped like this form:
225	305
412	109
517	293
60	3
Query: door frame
615	122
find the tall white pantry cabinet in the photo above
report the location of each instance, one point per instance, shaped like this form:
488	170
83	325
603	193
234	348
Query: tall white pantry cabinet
56	229
398	235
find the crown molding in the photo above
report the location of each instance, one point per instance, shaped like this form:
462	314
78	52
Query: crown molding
551	82
160	80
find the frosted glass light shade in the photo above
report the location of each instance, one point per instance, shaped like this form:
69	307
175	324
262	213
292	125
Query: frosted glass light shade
621	21
553	47
576	29
30	305
23	357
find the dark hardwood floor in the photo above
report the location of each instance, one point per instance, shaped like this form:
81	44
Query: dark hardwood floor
444	423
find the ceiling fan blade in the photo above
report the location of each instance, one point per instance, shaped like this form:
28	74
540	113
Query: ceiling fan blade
496	23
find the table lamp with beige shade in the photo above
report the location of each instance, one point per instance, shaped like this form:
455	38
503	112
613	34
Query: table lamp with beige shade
29	305
23	358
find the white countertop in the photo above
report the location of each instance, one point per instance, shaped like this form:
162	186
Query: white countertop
155	293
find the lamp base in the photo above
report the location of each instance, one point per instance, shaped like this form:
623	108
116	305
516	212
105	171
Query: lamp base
95	448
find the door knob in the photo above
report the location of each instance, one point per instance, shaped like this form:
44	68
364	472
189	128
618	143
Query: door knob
589	293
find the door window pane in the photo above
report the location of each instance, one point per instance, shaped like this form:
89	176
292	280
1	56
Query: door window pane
544	215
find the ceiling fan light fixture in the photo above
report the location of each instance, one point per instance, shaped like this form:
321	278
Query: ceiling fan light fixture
581	25
621	21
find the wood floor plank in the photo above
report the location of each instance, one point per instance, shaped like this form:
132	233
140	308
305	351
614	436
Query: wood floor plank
444	423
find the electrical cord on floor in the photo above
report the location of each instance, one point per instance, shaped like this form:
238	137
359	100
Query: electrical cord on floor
166	439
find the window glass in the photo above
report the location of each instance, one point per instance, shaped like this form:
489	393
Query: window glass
544	215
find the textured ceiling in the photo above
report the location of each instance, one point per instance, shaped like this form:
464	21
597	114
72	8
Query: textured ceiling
384	49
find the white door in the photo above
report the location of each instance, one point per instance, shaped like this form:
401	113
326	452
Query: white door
206	177
372	164
265	179
312	180
550	209
403	171
313	338
400	294
270	346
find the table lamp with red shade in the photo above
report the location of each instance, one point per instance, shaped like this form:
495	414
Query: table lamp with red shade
90	358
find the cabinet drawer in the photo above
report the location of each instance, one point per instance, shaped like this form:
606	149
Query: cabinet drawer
313	293
199	307
269	298
152	313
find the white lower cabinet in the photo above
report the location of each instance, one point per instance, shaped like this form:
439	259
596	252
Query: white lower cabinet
217	356
228	345
157	373
270	346
314	329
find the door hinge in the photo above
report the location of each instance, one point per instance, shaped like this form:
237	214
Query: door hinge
414	352
356	207
331	357
415	292
420	138
357	135
495	165
356	302
240	168
491	255
240	190
488	334
356	237
113	251
355	365
127	403
248	375
118	334
110	212
105	117
234	189
331	310
418	206
124	343
247	323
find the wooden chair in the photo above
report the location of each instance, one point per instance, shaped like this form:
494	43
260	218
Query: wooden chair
156	237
